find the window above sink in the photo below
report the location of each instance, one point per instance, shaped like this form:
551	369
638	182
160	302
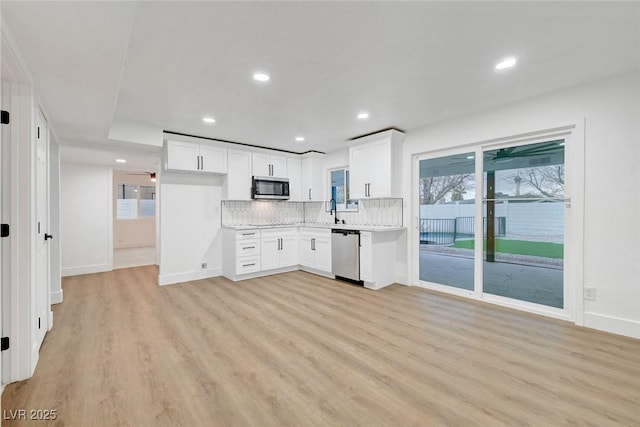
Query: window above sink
339	185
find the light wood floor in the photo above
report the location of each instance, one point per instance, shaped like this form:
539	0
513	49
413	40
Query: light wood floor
134	257
298	349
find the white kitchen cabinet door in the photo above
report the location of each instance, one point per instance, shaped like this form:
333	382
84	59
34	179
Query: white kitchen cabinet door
288	251
261	165
238	180
295	183
359	172
380	170
307	255
270	250
278	166
322	251
370	169
366	256
213	159
182	156
312	179
269	165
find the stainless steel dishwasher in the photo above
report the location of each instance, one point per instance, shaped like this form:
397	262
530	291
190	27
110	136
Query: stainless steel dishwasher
345	255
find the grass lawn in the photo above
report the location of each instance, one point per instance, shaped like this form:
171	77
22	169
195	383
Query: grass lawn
521	247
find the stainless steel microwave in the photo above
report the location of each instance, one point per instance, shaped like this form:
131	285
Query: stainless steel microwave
267	187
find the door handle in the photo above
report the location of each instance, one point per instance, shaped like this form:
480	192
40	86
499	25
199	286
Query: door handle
313	244
201	163
47	236
309	194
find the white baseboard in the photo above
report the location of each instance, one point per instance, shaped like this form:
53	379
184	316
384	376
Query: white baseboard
56	297
170	279
326	274
50	320
615	325
85	269
402	279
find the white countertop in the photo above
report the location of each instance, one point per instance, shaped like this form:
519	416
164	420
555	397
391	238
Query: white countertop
312	225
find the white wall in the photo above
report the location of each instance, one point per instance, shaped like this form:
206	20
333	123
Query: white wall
132	233
607	115
86	218
190	227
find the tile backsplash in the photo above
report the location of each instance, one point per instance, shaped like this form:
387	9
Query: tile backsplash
377	212
261	212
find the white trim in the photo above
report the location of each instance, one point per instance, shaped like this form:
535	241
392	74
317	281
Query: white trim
85	269
616	325
57	297
175	278
110	218
317	272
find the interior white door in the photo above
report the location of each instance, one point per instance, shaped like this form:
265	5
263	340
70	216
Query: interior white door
4	242
41	291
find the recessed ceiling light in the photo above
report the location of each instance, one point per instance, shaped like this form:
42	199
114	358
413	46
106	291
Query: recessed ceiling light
208	120
121	161
261	77
299	138
506	63
363	116
471	157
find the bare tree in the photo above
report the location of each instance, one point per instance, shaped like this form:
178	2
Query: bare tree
435	189
547	180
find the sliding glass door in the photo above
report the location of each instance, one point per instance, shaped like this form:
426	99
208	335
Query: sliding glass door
446	220
524	227
520	223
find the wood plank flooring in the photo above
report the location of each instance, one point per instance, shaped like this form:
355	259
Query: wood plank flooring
298	349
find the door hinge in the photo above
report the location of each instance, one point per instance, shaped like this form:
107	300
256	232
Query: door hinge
4	230
5	117
4	343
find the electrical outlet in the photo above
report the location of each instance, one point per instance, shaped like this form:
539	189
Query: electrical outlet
590	294
204	265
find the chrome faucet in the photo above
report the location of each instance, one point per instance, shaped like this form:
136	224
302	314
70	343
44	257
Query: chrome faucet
334	210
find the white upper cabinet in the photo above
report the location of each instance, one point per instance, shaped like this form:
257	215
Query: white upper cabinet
237	184
295	182
213	159
375	164
269	165
190	157
312	178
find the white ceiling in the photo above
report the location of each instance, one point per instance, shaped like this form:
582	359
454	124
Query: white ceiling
408	64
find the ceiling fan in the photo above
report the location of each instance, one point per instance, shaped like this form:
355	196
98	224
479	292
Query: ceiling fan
152	175
504	155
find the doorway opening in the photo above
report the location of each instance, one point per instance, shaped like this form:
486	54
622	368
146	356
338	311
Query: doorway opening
134	217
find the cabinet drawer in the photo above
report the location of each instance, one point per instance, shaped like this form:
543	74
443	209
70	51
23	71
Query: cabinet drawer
248	248
279	232
247	265
249	234
315	232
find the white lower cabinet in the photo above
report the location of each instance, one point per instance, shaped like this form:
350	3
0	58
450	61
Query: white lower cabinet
257	252
241	252
315	249
279	248
366	260
378	258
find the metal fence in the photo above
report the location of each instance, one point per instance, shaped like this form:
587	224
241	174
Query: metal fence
447	231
